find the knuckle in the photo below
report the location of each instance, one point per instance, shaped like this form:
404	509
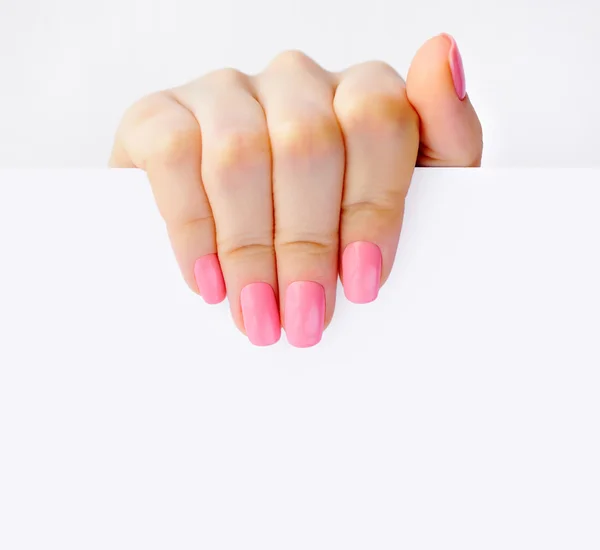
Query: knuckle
245	251
377	112
146	108
290	59
157	130
226	77
308	246
308	138
175	144
387	204
378	67
186	224
235	151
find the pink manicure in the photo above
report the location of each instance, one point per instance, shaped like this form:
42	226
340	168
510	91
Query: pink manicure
304	317
209	279
261	314
457	69
361	270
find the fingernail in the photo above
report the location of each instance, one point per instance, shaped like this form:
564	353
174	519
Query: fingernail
209	279
261	314
457	68
304	317
361	270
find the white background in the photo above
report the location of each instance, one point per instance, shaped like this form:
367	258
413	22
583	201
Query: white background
460	410
69	68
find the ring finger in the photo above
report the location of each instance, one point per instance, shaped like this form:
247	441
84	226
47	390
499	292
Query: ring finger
236	172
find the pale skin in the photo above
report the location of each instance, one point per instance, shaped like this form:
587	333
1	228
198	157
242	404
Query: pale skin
273	185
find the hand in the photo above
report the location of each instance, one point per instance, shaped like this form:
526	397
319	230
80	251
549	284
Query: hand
270	184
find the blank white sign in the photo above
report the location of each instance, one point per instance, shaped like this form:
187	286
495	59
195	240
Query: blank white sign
462	409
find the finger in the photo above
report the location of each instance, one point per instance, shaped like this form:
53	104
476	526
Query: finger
450	130
163	138
381	133
236	171
308	166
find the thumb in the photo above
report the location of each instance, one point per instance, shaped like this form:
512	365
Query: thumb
450	129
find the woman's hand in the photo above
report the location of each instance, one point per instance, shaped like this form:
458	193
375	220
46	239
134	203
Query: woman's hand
270	184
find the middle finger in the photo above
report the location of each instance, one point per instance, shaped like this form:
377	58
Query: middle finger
308	174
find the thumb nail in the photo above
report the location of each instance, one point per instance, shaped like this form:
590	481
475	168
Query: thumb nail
456	68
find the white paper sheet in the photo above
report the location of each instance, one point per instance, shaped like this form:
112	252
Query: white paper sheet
462	409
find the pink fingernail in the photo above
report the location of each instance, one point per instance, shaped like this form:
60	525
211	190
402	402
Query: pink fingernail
209	279
457	69
361	270
261	314
304	317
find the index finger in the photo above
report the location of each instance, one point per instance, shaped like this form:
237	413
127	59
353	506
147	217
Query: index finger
381	134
